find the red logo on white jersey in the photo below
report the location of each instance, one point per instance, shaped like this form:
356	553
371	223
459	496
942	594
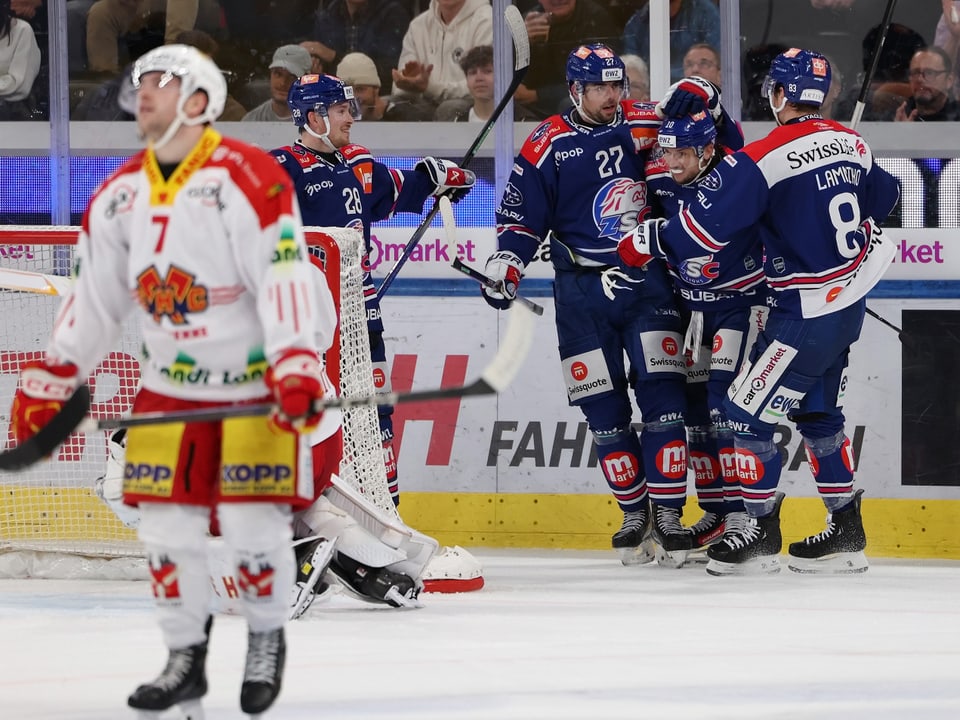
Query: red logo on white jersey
379	378
164	579
579	371
670	346
257	583
717	343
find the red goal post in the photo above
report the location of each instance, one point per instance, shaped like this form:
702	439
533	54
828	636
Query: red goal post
52	508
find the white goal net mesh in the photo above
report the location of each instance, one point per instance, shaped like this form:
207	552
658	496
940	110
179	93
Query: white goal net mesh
51	507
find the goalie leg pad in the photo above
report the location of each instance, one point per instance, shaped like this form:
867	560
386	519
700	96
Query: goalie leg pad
326	519
376	584
109	486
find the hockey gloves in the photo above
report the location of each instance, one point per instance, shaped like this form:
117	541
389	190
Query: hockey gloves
448	178
642	244
44	388
505	269
690	95
297	382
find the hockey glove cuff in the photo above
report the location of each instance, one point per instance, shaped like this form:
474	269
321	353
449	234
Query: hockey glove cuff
447	177
297	381
642	244
688	96
505	268
43	390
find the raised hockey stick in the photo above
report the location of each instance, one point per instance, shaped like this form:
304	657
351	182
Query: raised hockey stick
521	44
450	230
496	376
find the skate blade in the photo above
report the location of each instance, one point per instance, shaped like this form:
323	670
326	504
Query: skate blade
847	563
697	557
642	554
765	565
674	559
187	710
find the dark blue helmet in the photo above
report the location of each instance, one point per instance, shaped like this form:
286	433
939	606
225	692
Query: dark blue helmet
692	131
804	76
595	63
317	93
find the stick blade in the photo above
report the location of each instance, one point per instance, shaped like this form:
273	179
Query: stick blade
449	225
521	42
513	349
51	436
32	282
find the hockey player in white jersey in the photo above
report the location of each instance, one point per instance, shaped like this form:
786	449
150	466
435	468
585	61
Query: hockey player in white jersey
813	187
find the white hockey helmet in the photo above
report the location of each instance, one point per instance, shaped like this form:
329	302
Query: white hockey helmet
195	70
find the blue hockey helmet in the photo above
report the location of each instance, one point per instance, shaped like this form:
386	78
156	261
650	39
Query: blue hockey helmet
692	131
317	93
804	76
595	63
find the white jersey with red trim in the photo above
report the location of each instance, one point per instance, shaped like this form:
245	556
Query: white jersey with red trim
214	261
806	187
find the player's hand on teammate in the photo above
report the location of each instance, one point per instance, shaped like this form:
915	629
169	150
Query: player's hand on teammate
447	177
642	244
690	95
505	268
44	388
297	382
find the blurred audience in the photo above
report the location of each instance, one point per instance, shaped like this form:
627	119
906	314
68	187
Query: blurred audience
289	63
556	27
691	22
233	111
477	65
25	9
639	76
947	36
428	71
359	71
19	64
703	61
756	65
828	108
931	88
372	27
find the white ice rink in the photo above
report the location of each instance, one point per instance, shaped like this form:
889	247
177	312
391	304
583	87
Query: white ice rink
553	635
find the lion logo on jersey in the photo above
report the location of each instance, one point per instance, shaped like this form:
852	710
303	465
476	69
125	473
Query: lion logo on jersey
619	206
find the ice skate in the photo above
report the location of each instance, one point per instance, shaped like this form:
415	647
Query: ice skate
837	550
633	541
373	584
672	541
749	546
705	532
313	557
266	652
182	683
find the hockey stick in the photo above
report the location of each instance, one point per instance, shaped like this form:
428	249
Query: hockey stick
521	44
450	230
34	282
496	376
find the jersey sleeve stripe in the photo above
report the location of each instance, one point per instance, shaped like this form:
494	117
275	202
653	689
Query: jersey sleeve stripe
696	231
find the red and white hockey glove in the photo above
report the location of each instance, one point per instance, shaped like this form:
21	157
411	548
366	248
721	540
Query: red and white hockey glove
296	380
642	244
43	390
505	268
448	178
690	95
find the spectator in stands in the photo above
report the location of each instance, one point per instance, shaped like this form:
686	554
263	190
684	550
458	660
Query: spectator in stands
828	109
372	27
25	9
691	22
289	63
319	65
359	71
947	36
702	60
19	64
931	88
639	76
233	111
555	27
756	64
428	71
477	65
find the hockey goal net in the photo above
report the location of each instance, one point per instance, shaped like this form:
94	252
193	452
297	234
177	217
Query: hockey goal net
49	514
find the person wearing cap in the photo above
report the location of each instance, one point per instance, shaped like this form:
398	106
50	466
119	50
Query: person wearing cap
360	71
289	63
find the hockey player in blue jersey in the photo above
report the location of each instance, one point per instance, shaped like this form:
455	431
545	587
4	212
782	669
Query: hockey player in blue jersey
815	192
722	320
579	181
339	184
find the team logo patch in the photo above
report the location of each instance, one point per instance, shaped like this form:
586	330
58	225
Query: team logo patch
712	182
172	296
511	196
617	207
819	66
699	270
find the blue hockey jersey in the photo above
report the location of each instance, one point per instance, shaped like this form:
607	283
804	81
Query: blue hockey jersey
806	187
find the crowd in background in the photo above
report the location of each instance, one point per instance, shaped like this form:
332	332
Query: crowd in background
414	60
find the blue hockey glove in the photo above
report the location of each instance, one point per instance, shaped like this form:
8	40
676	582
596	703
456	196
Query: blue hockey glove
505	269
642	244
448	178
690	95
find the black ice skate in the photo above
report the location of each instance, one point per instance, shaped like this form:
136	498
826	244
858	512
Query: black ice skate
182	683
749	546
372	584
634	541
671	539
705	532
836	550
266	652
313	557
